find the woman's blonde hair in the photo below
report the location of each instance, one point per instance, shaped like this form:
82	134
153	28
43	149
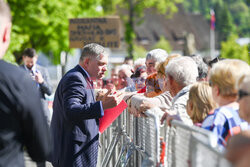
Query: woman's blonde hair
161	66
226	73
201	98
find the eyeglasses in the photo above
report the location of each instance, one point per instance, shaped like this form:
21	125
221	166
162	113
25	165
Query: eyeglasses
242	93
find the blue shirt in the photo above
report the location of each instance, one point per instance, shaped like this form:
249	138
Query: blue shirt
225	124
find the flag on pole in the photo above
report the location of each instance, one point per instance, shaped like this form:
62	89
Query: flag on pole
212	21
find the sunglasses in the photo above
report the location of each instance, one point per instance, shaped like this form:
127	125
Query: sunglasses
242	93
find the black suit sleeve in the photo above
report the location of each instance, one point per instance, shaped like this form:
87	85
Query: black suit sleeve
34	126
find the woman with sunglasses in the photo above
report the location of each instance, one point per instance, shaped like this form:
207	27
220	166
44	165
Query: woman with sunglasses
223	78
244	97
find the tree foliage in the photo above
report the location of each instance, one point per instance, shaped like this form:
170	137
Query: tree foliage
225	23
132	10
43	25
163	44
231	15
139	52
231	49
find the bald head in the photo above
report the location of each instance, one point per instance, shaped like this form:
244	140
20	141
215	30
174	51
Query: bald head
4	11
5	27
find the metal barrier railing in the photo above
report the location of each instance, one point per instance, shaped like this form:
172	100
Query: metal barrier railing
178	143
136	141
205	156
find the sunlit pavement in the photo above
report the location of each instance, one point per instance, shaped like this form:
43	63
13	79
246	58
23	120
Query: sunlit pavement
30	163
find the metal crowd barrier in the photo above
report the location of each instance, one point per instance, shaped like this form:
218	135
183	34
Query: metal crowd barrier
141	141
179	144
205	156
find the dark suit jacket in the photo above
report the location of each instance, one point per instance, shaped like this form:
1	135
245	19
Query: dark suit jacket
75	121
22	122
45	87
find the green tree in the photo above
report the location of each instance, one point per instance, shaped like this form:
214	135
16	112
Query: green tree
139	52
43	25
232	16
163	44
225	23
241	17
205	8
231	49
132	10
195	6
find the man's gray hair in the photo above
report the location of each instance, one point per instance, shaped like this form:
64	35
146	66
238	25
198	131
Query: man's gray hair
139	61
158	55
93	50
125	67
202	66
183	69
5	10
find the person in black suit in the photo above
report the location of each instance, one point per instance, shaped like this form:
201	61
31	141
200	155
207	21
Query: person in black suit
40	75
22	122
76	113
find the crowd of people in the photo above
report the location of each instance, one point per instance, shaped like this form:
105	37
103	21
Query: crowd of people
212	95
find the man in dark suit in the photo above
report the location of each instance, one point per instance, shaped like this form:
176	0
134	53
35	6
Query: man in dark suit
40	75
22	122
76	113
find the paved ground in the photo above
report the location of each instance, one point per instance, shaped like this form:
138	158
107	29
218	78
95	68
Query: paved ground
30	163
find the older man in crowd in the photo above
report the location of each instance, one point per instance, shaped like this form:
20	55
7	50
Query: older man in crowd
181	73
202	67
153	58
124	80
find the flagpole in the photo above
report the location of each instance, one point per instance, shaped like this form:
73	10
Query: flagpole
212	44
212	34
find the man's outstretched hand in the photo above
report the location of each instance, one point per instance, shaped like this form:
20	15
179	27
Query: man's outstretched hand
111	99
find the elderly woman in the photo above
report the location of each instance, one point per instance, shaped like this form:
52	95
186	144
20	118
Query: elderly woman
153	58
223	78
139	77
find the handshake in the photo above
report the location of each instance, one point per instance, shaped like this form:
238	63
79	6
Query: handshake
109	98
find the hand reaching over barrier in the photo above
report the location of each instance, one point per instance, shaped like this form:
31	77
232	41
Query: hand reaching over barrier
111	99
145	105
168	117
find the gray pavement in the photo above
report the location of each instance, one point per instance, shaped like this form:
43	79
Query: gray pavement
29	163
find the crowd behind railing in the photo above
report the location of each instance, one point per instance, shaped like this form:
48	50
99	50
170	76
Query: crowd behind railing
193	96
180	111
141	141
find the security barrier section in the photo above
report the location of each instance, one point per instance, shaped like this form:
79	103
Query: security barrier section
142	141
